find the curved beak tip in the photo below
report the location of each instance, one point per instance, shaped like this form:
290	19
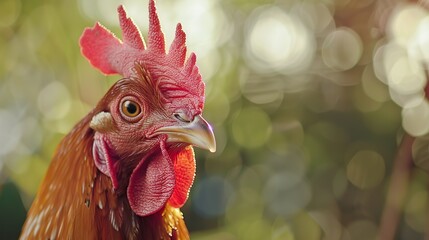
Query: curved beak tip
197	133
212	149
211	146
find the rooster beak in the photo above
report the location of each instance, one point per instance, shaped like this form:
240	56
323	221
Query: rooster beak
196	132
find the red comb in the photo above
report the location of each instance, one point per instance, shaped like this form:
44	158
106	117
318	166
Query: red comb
113	56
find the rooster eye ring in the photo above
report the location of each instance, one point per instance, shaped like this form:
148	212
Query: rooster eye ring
130	108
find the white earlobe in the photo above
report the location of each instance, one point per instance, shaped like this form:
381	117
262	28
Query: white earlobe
102	122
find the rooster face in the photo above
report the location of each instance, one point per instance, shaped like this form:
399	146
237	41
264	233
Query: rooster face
138	142
135	120
146	123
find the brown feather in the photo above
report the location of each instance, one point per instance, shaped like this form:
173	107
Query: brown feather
77	201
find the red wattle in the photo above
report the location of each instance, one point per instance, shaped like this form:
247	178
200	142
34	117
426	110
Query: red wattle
151	183
104	159
184	169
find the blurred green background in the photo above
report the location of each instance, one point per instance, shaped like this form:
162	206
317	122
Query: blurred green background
308	99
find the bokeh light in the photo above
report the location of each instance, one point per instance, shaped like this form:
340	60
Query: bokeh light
415	119
366	169
54	101
253	133
404	22
278	41
336	51
415	210
212	196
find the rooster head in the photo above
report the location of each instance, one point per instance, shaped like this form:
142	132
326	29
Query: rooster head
146	124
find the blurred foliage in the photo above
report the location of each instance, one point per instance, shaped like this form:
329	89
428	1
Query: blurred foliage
296	92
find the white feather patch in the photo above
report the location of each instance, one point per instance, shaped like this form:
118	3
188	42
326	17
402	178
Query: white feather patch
102	122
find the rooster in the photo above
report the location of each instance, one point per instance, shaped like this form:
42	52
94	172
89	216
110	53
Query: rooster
126	168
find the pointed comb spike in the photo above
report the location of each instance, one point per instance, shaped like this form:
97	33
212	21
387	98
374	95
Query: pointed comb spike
130	33
156	36
177	51
98	45
190	63
111	55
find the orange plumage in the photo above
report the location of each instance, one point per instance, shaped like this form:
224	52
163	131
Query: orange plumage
126	168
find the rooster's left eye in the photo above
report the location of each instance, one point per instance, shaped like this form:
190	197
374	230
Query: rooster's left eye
130	108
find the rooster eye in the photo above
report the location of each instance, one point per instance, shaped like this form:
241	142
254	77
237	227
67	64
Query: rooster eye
130	108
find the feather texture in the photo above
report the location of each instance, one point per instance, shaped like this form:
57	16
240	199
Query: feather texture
76	201
112	177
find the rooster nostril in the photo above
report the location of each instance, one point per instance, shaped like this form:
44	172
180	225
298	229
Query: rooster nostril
182	117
